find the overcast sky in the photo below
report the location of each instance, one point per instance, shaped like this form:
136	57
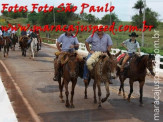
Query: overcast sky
123	8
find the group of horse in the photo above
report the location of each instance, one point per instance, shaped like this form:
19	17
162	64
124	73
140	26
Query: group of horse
7	42
103	70
34	46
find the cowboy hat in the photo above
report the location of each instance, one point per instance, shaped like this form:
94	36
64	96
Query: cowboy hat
100	26
133	34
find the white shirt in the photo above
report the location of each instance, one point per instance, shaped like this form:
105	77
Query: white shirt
9	31
13	32
1	33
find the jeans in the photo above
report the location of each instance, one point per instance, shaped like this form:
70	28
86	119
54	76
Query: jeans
86	71
29	41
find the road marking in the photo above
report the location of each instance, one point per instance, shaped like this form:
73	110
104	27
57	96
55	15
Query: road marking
31	110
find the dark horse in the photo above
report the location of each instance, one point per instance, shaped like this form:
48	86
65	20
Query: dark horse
70	72
6	45
102	73
136	71
23	44
1	42
14	39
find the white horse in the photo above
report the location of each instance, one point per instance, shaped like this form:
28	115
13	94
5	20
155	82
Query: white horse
33	48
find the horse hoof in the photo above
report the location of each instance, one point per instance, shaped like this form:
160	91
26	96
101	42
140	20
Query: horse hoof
141	105
62	101
119	94
72	106
124	97
95	101
99	106
67	105
103	100
128	99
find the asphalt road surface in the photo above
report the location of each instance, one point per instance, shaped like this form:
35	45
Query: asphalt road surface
35	81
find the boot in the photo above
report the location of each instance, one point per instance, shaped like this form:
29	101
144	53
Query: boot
56	78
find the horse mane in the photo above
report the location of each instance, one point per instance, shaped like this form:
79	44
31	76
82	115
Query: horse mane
139	59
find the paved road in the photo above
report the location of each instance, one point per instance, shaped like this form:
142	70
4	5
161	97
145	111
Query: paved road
35	80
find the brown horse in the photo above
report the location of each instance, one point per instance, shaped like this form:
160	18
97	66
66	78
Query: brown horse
70	72
23	41
6	45
136	71
1	42
14	39
101	73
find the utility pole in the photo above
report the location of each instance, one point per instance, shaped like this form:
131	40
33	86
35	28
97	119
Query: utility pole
54	16
110	13
143	24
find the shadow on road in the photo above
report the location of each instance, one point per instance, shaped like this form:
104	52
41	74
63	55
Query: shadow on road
121	110
49	89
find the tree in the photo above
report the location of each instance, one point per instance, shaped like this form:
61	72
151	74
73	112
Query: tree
139	5
90	18
33	17
151	18
106	19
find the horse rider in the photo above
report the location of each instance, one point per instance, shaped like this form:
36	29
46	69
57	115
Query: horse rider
69	44
8	34
23	33
132	45
39	39
29	31
1	33
100	42
32	35
13	31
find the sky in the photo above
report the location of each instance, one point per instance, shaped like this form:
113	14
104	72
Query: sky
123	8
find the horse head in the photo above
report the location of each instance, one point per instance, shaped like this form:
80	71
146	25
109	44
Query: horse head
72	64
113	63
151	63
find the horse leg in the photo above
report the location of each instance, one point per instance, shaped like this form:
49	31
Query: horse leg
24	52
4	52
131	90
99	94
94	90
32	50
86	86
72	92
14	47
141	84
67	93
61	88
120	86
124	96
7	50
107	92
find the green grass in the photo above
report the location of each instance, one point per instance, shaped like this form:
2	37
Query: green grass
117	39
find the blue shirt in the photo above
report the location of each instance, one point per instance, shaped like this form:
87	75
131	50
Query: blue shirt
67	41
131	46
99	44
6	34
